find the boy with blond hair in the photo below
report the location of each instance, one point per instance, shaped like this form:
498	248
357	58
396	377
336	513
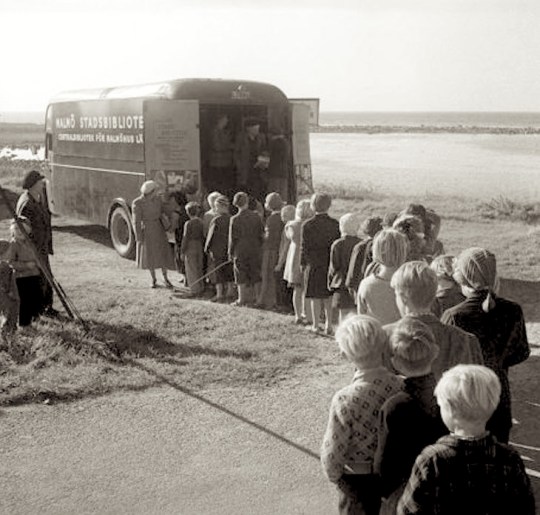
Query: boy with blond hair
468	471
375	295
415	288
409	420
350	440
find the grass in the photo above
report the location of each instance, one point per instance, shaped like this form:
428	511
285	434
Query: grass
134	328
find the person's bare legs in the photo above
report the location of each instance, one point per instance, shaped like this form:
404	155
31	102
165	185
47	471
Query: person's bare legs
153	275
306	308
328	313
298	304
168	283
316	305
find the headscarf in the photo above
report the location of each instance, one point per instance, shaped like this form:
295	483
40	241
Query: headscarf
477	268
148	187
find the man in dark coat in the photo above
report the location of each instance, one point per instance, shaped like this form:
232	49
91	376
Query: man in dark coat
32	204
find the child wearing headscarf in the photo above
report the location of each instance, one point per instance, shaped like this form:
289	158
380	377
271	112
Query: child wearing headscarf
340	255
498	324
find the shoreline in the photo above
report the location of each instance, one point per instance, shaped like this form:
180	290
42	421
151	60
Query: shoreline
423	129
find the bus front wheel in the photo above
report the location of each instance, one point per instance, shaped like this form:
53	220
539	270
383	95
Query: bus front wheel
122	236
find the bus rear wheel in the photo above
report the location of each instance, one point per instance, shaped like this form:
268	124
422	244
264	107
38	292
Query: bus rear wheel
122	236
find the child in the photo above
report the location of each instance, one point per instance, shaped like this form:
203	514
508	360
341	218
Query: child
350	440
216	249
415	286
246	234
21	258
318	234
413	228
375	295
448	290
191	250
362	255
468	471
340	255
293	271
9	302
211	213
272	238
409	420
283	293
497	323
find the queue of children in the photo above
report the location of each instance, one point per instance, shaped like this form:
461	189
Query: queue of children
437	442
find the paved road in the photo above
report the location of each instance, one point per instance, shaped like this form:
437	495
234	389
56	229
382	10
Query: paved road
162	451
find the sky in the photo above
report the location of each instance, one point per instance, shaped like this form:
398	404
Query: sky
355	55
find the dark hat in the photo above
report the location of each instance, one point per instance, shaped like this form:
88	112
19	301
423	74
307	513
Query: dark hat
31	178
250	122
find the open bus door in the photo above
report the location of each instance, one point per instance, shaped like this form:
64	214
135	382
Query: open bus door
300	148
172	144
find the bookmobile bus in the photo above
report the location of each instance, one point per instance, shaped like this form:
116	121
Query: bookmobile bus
101	145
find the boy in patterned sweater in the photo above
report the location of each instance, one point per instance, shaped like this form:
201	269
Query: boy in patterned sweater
350	440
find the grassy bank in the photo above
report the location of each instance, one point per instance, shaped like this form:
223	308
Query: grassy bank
134	329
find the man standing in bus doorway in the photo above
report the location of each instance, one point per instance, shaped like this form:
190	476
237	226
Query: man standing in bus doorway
251	158
32	204
221	159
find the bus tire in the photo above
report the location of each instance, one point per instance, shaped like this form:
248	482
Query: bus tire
122	236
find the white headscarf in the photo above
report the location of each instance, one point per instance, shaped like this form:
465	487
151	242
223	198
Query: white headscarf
148	187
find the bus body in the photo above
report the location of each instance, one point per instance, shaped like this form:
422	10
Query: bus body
101	145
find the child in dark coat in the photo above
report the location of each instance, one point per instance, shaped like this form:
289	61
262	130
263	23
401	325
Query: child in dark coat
216	249
448	290
468	471
409	420
318	234
192	248
340	254
246	235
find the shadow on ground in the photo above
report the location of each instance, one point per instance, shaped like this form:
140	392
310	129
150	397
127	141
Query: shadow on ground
95	233
525	293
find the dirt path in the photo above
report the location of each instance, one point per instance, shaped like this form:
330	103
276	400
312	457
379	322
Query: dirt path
162	451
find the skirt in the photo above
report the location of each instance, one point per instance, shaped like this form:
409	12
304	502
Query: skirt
316	281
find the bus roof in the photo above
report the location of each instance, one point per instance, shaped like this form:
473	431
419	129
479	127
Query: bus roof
208	91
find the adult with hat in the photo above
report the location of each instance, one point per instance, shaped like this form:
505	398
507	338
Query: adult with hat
251	159
149	219
498	324
32	204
